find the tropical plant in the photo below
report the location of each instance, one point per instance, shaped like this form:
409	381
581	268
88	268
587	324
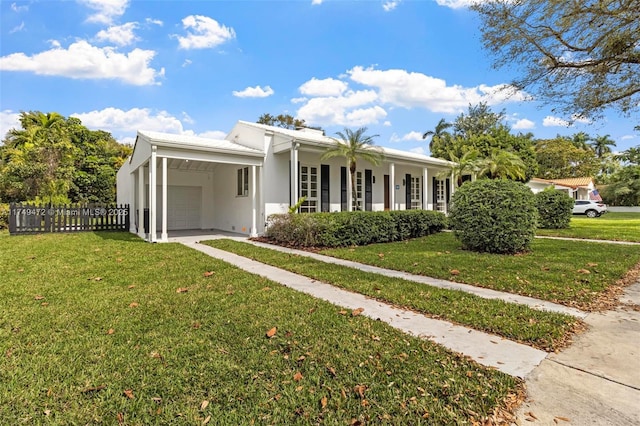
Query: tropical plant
439	135
354	145
502	164
601	145
468	164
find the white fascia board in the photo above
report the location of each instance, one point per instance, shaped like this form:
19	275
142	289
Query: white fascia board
210	157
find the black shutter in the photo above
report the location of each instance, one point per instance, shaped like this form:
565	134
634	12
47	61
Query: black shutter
368	190
324	187
407	187
290	183
424	201
434	192
466	178
448	189
343	189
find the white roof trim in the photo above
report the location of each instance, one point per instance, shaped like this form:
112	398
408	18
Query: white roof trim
197	143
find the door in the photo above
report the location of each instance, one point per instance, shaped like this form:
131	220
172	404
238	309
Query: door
184	207
387	202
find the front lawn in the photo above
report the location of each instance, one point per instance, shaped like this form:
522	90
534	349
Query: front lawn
610	226
544	330
104	328
573	273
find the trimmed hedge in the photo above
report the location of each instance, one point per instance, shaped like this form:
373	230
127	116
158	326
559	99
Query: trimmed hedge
495	216
356	228
554	209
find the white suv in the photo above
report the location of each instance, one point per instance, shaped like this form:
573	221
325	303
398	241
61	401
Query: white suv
589	207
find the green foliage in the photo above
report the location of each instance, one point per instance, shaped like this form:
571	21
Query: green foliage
286	121
54	156
4	216
352	228
495	216
554	209
294	209
623	188
482	130
579	56
564	158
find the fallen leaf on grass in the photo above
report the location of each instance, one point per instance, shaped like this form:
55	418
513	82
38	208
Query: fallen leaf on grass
359	389
323	402
583	271
298	376
182	290
128	393
206	420
208	273
272	332
454	272
44	304
342	312
110	331
591	264
204	405
357	312
47	412
156	399
131	286
134	305
38	297
120	418
331	371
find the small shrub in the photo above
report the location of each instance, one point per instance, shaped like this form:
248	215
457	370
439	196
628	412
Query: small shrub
554	209
352	228
4	216
495	216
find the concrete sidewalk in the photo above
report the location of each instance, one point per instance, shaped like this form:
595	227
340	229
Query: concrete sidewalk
492	351
596	381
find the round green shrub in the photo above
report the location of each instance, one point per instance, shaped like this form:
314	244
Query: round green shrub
554	209
494	216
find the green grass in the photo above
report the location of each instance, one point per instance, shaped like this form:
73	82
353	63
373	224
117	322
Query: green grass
60	364
544	330
573	273
610	226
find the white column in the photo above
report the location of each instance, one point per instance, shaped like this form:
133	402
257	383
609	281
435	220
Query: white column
452	186
392	186
153	172
132	204
140	206
425	185
164	236
254	203
295	186
261	206
349	189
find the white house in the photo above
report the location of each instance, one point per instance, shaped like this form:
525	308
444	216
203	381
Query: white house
577	188
234	184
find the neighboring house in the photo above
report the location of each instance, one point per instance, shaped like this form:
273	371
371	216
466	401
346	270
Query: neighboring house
187	182
582	188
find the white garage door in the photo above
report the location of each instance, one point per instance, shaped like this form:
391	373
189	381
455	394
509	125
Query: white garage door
184	207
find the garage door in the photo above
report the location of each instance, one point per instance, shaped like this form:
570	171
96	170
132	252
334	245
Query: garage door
184	207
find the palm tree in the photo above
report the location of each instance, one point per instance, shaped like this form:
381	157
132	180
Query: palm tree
502	165
581	140
438	134
601	145
469	163
353	145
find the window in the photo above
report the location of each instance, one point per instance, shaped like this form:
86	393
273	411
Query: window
243	182
357	203
441	192
309	188
415	193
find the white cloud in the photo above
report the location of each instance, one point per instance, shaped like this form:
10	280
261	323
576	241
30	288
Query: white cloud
387	123
254	92
418	150
18	28
628	137
8	120
186	63
316	1
299	100
389	5
457	4
524	124
325	87
19	9
411	89
84	61
187	118
124	124
121	35
411	136
106	10
346	109
204	32
550	121
154	22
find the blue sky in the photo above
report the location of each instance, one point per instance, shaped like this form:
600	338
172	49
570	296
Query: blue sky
196	67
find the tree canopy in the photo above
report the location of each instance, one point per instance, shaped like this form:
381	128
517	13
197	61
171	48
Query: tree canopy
285	121
53	158
560	158
583	56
